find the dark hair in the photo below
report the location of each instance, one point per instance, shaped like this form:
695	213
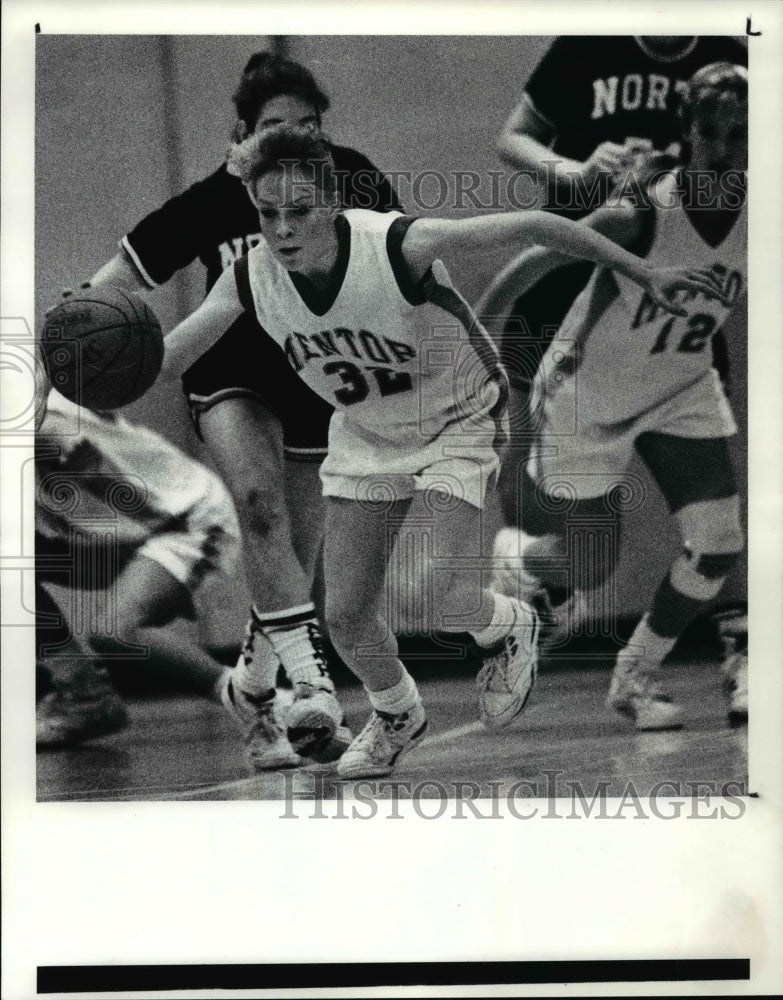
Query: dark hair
707	86
284	146
266	76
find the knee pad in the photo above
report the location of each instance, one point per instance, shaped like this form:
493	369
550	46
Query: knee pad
713	540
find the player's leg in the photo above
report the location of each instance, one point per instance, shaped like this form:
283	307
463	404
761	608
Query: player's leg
256	417
570	500
75	699
505	629
305	501
246	442
357	548
145	599
697	479
527	333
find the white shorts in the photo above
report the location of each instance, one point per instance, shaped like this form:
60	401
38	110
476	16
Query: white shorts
586	459
377	465
205	540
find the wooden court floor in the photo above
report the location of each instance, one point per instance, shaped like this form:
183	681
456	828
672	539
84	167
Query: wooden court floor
182	748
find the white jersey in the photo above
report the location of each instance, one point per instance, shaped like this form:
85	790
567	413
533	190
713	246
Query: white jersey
145	482
629	354
392	356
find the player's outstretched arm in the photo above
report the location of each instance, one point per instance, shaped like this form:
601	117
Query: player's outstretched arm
195	335
621	223
120	271
429	239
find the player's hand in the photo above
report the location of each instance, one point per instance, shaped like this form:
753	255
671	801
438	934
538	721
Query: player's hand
66	293
663	283
608	158
637	153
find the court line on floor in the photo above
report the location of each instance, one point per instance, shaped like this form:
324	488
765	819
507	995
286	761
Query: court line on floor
252	782
450	734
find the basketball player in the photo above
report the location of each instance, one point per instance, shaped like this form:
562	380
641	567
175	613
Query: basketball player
356	301
121	511
265	430
590	109
639	380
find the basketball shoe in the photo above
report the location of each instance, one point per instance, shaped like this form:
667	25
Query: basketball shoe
733	632
65	718
266	745
636	692
509	671
315	716
382	742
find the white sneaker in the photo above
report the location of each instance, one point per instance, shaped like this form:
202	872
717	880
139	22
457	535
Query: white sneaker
735	686
509	672
382	742
509	577
635	691
266	744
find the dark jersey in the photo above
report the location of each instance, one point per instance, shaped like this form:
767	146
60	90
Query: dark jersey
594	89
608	88
216	222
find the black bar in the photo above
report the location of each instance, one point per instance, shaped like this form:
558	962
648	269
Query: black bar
127	978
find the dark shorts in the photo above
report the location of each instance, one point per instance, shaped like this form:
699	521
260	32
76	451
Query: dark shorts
247	364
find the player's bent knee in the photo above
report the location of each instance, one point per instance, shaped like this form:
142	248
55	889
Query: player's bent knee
261	511
348	628
713	536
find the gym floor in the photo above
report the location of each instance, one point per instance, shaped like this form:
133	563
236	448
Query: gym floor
183	748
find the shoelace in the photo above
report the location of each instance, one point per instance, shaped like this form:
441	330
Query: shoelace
317	639
366	737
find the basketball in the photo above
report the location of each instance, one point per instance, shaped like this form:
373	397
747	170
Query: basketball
103	347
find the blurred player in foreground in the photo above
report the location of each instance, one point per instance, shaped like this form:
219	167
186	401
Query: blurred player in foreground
122	513
266	431
355	299
637	379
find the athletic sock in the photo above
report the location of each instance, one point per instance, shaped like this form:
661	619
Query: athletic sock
256	669
654	647
401	697
503	619
296	637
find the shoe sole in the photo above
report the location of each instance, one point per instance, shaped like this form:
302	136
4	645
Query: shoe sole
329	749
311	729
382	770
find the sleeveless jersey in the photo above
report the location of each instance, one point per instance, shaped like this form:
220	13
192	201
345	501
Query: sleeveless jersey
397	357
629	353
